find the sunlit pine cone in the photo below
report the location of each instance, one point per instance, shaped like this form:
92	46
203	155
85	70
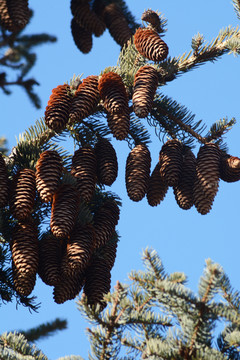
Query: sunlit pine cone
137	172
14	15
113	93
79	249
105	220
81	37
157	188
23	282
107	164
145	86
152	18
58	107
84	169
49	169
184	190
86	17
85	99
68	288
3	182
229	168
119	125
22	194
64	210
171	161
50	254
149	44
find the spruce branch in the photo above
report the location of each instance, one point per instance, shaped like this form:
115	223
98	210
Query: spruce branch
236	5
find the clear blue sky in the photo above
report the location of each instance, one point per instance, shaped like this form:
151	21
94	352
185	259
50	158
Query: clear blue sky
183	239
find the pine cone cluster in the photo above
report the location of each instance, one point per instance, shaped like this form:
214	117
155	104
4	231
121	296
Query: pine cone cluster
14	15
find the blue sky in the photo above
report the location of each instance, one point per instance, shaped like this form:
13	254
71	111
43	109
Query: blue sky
183	239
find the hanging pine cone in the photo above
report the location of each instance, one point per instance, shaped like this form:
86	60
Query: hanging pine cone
14	15
22	194
229	168
105	221
23	282
119	125
107	164
157	188
68	288
152	18
64	210
81	37
3	182
149	44
171	161
108	252
138	172
184	190
85	99
50	254
58	107
79	250
84	169
207	177
145	86
49	169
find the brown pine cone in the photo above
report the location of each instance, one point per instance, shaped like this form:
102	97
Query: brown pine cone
68	288
119	125
84	169
145	86
14	15
149	44
107	164
81	37
58	107
3	182
64	210
22	194
85	99
171	161
152	18
23	282
157	188
137	172
229	168
109	252
49	169
184	190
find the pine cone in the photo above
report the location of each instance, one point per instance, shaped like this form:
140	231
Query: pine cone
184	190
149	44
119	125
50	254
84	169
68	288
14	15
107	164
229	168
85	99
152	17
105	221
145	86
3	183
49	169
64	210
23	282
138	172
81	37
58	107
108	253
171	162
22	194
157	188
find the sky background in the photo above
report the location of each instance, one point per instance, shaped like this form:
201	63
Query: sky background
183	239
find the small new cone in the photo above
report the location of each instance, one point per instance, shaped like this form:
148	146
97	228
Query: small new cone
229	168
14	15
68	288
22	194
81	37
107	164
157	188
171	162
145	86
84	169
50	254
85	99
3	183
58	107
23	282
49	169
119	125
152	18
64	210
149	44
137	172
184	190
